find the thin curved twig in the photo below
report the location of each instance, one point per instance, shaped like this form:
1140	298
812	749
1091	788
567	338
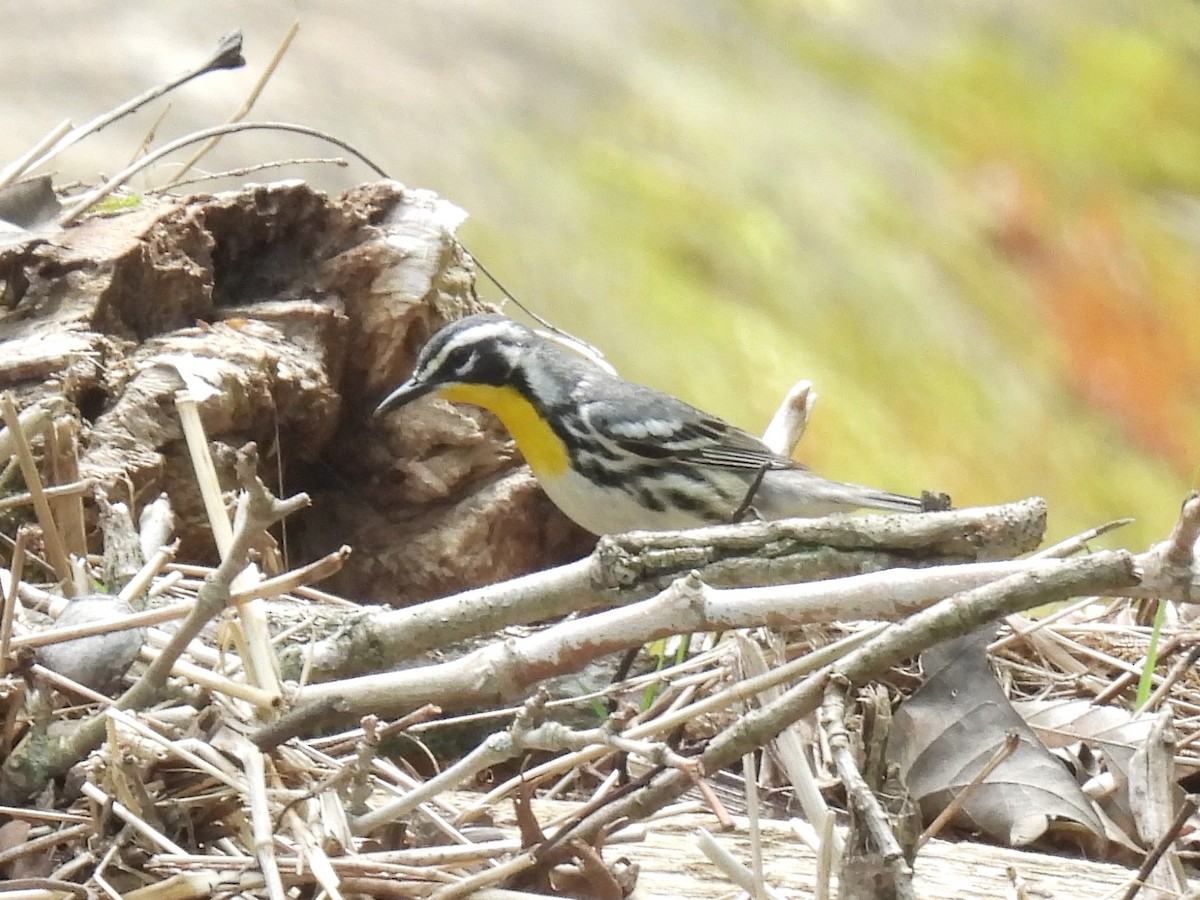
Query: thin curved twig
92	197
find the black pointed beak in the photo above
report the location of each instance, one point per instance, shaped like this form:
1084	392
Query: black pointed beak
406	393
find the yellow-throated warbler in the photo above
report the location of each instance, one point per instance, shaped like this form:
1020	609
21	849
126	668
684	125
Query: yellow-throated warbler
613	455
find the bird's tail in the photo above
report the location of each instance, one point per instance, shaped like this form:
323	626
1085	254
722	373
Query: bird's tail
798	492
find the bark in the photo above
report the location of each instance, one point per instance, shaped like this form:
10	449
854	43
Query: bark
288	314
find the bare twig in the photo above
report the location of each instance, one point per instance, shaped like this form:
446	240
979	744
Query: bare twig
41	844
258	655
739	691
1011	741
626	568
688	606
95	196
866	807
227	55
325	567
15	574
33	480
76	489
22	163
246	106
1078	542
1164	843
1171	565
523	736
122	812
745	878
244	171
956	615
257	510
155	616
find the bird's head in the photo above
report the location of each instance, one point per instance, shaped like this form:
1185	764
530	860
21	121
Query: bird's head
480	351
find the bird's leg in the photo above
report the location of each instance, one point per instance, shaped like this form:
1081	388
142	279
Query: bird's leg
744	507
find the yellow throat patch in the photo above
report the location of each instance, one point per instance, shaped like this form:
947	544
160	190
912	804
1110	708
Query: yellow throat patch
539	445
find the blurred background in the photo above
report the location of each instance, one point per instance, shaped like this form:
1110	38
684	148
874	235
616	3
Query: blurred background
974	228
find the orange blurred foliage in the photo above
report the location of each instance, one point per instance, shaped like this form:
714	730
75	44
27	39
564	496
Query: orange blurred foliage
1129	352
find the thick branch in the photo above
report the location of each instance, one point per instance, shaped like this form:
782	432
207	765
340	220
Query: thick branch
504	670
627	568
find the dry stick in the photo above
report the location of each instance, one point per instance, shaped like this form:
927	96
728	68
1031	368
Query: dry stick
474	884
206	678
150	134
1075	543
127	816
10	597
792	756
13	170
1181	543
957	615
625	568
246	106
155	616
227	55
44	815
15	714
1152	858
244	171
325	567
140	583
174	748
76	489
1021	627
1024	627
45	842
97	194
53	540
62	466
66	685
868	812
262	826
259	660
1169	565
257	510
741	690
33	419
1181	667
1011	741
732	868
750	780
686	606
504	745
1129	678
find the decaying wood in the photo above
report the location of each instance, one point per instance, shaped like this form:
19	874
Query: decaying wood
294	312
672	865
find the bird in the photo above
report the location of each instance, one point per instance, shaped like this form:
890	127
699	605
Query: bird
616	456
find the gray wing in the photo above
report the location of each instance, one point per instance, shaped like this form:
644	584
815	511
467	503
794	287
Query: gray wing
657	426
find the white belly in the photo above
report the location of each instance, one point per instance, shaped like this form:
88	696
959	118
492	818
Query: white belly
610	510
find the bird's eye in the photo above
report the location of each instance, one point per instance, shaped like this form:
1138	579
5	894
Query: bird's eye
463	362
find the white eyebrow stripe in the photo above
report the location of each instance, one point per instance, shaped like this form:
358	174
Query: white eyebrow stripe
467	337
